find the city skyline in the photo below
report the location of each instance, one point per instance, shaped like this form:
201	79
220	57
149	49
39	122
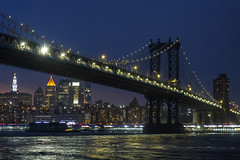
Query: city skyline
9	88
214	49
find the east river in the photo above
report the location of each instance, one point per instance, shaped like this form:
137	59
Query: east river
121	147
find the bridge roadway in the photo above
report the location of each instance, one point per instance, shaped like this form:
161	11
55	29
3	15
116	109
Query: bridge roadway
97	72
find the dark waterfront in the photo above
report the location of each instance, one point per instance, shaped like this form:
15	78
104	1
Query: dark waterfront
140	146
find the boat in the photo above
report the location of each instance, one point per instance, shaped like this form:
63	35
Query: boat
47	127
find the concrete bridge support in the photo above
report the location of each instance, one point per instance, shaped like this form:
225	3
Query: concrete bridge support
154	124
196	116
208	117
203	117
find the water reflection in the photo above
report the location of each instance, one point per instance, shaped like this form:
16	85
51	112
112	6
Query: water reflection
203	146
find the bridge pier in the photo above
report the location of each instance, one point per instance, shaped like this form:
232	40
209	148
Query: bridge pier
169	120
202	117
207	117
154	124
195	116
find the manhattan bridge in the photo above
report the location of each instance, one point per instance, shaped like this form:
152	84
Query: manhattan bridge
161	71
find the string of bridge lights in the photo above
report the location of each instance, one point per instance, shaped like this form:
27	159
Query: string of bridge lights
195	75
132	53
139	50
33	33
122	60
125	61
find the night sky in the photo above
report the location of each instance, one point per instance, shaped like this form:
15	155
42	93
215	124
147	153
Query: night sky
209	31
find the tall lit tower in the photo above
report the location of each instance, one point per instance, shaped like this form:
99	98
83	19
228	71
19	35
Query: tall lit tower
221	94
87	95
14	84
221	90
51	96
39	99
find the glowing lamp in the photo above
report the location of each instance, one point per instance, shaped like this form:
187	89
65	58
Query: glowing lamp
44	50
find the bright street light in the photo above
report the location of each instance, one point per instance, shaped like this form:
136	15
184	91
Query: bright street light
44	50
103	57
62	55
22	44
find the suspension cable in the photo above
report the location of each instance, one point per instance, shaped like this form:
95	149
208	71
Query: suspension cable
195	75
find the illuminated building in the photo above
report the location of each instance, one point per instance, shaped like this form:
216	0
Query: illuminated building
14	97
186	115
51	96
14	84
75	118
76	94
39	99
135	114
15	106
70	96
63	94
221	90
87	94
106	113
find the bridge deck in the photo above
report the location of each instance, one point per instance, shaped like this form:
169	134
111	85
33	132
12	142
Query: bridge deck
28	60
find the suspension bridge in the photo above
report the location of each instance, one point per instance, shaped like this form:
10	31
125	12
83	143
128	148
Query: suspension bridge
157	79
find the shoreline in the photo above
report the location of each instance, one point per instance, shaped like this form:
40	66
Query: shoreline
87	133
84	133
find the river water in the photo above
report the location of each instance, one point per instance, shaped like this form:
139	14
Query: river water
139	146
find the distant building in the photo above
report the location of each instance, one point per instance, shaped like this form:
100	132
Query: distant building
51	96
76	118
135	113
63	94
15	106
186	115
39	100
221	90
14	97
76	94
14	84
70	95
87	94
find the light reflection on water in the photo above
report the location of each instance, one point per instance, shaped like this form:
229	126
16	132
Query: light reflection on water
185	146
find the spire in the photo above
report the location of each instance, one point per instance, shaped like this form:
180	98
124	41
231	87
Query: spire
14	84
134	102
51	82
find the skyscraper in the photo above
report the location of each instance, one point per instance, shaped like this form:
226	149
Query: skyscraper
51	96
14	84
15	105
87	94
63	92
221	90
70	95
76	93
39	99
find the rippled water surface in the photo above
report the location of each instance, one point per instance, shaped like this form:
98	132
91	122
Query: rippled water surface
185	146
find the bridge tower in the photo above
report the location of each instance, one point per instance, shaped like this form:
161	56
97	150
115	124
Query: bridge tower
155	61
155	101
